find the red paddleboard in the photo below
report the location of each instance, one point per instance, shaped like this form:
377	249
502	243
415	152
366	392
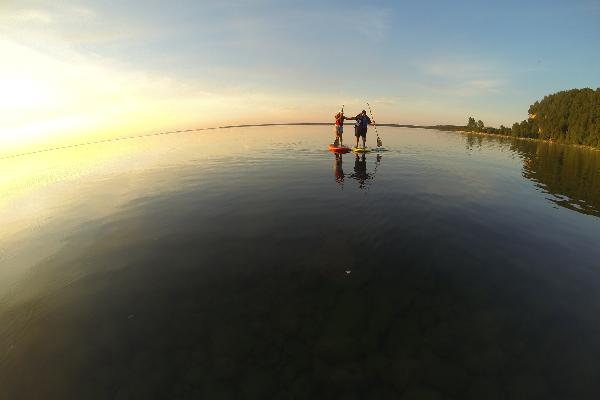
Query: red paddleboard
338	149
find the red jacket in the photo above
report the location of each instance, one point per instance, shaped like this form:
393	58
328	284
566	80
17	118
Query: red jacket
339	119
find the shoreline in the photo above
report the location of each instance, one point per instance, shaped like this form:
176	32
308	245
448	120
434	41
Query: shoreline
580	146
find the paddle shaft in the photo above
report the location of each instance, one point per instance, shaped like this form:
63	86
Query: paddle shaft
373	118
374	125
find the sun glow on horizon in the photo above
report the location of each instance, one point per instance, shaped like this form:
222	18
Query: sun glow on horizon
50	101
46	99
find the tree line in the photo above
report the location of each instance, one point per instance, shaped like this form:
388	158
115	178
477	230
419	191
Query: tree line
570	116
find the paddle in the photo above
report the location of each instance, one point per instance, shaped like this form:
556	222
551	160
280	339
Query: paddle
379	142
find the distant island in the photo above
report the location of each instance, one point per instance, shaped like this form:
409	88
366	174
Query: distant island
570	116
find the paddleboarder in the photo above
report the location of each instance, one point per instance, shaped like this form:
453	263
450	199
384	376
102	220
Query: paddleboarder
360	127
339	128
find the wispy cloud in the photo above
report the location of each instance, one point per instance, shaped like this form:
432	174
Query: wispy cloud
52	25
31	15
462	78
372	22
46	13
451	68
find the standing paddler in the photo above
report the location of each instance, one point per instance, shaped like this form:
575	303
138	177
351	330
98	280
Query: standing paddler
339	127
360	128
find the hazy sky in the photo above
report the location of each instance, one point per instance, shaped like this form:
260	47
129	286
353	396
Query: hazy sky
84	69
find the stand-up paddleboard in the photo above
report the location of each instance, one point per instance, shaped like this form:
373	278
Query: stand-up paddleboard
338	149
361	149
378	149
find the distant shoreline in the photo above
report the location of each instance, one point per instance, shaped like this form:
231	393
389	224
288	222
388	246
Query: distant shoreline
457	129
464	132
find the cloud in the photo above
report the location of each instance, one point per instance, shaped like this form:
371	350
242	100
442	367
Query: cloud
32	15
473	88
49	25
449	68
47	14
462	78
372	22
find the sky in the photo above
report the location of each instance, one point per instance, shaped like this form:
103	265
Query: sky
72	71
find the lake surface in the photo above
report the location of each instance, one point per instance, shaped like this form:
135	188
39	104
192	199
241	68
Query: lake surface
250	263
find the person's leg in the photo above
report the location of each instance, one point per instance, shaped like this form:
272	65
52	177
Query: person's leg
364	139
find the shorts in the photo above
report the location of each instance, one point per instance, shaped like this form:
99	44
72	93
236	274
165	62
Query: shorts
358	132
339	130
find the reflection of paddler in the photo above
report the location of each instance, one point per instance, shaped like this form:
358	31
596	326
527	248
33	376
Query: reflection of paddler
360	169
338	171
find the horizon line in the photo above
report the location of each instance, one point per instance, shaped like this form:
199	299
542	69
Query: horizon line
5	157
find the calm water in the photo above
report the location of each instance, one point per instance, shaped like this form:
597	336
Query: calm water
251	264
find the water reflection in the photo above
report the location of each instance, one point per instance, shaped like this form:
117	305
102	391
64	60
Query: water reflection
338	170
361	173
474	140
569	174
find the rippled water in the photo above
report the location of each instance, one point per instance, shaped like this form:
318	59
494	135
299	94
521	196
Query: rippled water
251	263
